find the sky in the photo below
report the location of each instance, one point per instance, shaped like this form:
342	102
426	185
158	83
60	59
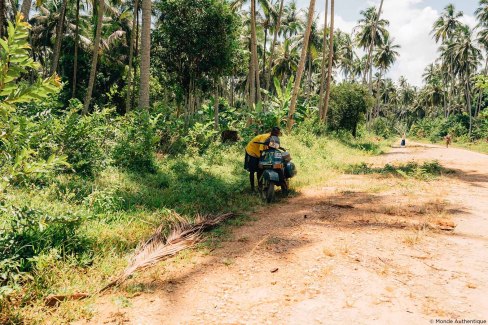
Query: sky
410	25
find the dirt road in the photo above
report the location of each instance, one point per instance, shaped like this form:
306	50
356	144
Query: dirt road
359	249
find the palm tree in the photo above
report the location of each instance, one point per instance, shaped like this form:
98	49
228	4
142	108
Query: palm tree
370	32
2	17
254	95
96	45
128	100
277	27
482	16
372	45
25	9
292	23
466	58
385	56
77	42
443	30
329	70
445	26
59	38
145	54
286	62
301	65
322	71
266	24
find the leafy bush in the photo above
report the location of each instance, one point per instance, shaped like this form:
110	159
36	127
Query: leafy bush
348	104
200	136
19	161
435	129
424	171
381	127
79	140
136	141
29	232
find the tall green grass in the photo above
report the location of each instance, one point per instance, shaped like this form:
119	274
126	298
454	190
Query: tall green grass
120	208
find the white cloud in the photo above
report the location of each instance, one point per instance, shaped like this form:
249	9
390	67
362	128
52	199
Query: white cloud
339	23
411	27
469	20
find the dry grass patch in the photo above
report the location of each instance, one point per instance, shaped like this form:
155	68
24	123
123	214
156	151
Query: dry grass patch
328	252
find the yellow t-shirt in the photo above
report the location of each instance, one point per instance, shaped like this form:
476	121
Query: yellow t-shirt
254	149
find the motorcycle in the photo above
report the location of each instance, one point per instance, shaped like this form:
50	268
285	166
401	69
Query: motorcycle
277	169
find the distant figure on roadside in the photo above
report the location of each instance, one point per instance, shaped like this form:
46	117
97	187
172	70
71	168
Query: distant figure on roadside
403	143
448	139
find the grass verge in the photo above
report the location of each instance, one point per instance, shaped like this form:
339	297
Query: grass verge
118	209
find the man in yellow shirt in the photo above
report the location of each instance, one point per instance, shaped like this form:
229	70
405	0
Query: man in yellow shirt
253	153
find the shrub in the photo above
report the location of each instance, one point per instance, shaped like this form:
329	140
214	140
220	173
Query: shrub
200	136
29	232
136	141
79	141
348	104
381	127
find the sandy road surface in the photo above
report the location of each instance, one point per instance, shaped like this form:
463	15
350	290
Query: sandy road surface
362	249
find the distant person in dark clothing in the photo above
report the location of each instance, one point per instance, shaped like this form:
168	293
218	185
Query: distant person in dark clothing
403	143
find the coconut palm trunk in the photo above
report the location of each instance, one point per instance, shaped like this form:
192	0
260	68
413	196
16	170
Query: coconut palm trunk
145	54
254	87
331	58
369	68
468	106
301	65
136	54
59	38
254	48
128	100
322	71
273	45
216	107
480	92
25	9
264	49
77	42
2	17
96	45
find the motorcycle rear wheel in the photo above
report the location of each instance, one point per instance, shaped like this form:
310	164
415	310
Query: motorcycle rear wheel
267	191
270	193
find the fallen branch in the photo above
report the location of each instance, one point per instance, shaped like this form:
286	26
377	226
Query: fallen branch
53	300
161	245
182	235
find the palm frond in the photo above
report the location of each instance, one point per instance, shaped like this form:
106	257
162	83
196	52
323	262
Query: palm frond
182	234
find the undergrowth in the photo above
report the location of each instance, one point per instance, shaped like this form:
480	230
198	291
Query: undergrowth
109	214
425	171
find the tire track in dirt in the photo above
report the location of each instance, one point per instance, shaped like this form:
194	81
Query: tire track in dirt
360	249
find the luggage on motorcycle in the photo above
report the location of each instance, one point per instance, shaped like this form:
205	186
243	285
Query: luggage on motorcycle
271	175
290	170
286	156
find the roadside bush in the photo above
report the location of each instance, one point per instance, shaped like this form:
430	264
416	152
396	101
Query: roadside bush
348	104
79	140
200	136
136	142
480	126
381	127
27	232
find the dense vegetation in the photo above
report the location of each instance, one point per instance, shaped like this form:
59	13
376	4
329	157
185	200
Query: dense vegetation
109	128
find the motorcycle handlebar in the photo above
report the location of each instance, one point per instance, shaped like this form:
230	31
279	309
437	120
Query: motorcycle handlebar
281	148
